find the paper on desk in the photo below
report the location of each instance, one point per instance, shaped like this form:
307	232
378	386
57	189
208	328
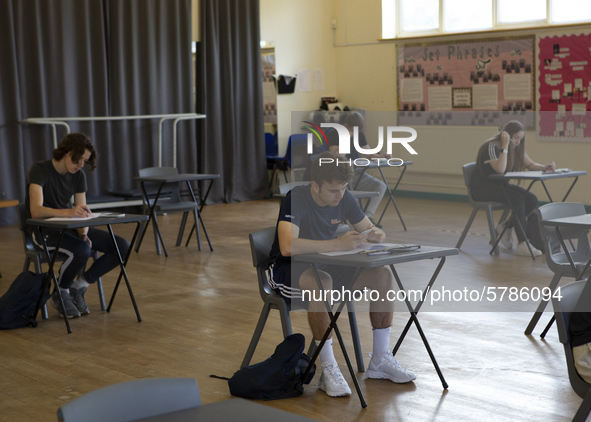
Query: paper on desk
92	215
362	248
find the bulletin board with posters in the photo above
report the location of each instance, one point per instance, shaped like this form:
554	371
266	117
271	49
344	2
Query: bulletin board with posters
564	88
468	83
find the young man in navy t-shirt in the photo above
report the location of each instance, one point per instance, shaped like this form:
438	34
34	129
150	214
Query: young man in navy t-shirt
308	220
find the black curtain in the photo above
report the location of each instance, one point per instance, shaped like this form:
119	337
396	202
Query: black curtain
94	58
230	94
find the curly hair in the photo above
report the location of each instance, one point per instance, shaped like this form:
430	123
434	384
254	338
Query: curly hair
77	143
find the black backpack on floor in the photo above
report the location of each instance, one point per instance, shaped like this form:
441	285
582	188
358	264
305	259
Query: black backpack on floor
278	377
17	305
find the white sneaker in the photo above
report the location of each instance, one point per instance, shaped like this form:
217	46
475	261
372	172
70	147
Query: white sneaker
522	250
387	367
507	239
332	381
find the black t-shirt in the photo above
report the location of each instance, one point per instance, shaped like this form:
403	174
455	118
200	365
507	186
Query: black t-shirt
483	168
58	189
315	222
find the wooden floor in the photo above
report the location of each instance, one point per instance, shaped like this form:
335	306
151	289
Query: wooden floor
199	310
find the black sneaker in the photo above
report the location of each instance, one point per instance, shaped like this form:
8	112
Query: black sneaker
78	299
71	310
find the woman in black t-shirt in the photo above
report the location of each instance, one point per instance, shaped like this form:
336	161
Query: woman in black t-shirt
505	152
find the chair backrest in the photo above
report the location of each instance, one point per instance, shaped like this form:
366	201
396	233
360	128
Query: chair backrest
260	246
270	145
468	170
22	219
286	187
563	307
555	210
298	151
171	189
132	400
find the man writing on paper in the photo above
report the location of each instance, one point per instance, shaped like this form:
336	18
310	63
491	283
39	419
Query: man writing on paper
50	186
307	223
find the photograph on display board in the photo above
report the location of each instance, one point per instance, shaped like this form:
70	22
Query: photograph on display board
471	83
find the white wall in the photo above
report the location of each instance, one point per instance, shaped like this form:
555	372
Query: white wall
361	72
302	35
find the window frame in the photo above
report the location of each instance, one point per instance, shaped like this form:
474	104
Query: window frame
496	26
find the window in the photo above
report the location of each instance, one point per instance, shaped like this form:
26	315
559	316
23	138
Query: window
511	11
406	18
467	15
571	11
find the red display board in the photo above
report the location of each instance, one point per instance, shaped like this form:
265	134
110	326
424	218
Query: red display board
564	88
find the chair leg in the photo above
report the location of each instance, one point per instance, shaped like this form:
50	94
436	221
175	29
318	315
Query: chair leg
285	320
256	335
542	305
468	225
156	240
355	336
38	270
491	226
584	409
182	228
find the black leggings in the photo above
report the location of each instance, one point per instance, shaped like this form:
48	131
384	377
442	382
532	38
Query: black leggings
522	204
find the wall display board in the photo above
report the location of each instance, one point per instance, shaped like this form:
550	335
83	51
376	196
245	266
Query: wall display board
476	83
564	88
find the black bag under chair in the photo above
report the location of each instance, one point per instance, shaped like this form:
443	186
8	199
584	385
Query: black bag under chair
278	377
18	304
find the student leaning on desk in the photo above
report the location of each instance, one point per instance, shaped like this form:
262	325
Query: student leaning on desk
505	152
308	220
50	187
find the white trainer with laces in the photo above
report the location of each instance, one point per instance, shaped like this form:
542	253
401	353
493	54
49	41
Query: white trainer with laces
332	381
522	250
387	367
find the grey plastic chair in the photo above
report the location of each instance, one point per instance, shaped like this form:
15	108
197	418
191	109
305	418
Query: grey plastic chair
132	400
488	207
36	256
170	201
555	257
563	307
260	246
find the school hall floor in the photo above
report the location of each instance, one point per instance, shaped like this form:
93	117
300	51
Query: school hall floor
200	308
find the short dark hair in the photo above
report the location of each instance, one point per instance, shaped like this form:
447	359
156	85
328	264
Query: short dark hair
337	170
77	143
354	118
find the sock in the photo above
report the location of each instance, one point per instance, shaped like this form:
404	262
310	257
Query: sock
327	353
80	283
381	342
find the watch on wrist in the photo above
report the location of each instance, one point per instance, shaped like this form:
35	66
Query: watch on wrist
504	150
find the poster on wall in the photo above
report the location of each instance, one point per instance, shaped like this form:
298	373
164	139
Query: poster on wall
475	83
564	88
269	91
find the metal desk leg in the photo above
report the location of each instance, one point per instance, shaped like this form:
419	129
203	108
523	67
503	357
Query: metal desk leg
333	325
152	218
391	197
195	227
123	271
51	276
413	318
